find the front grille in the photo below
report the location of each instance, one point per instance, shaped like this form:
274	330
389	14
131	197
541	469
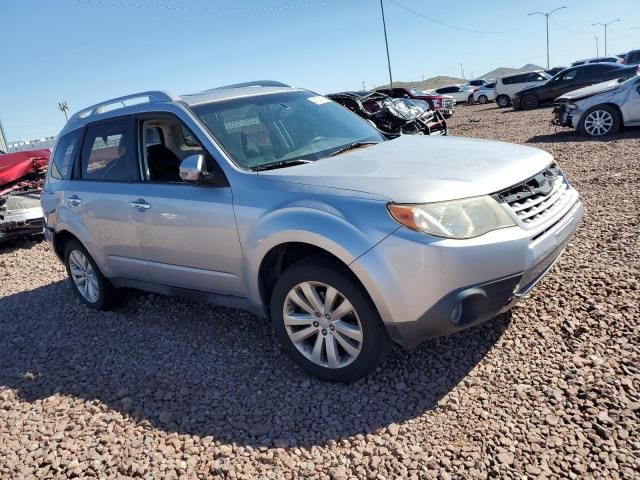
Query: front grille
539	198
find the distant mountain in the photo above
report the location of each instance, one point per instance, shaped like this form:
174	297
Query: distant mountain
428	84
504	71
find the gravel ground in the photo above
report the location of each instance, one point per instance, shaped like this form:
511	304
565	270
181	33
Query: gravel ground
162	387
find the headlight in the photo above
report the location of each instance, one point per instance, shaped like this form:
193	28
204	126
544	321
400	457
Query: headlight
570	106
466	218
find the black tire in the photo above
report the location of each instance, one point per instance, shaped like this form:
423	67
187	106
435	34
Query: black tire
589	131
482	99
529	102
106	292
470	99
503	101
375	341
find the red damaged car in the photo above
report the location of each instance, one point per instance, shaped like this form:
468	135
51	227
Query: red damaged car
443	104
22	176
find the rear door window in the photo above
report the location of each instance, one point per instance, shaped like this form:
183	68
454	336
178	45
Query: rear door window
108	154
62	163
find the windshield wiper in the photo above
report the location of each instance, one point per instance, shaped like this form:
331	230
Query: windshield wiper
352	146
280	164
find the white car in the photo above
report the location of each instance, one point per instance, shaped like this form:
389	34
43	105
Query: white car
507	87
601	109
485	93
460	93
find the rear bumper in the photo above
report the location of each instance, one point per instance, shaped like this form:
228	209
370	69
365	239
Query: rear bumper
425	287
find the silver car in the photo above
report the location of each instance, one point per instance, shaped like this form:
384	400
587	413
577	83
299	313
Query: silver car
600	109
279	201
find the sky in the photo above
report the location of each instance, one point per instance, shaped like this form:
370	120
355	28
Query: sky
86	51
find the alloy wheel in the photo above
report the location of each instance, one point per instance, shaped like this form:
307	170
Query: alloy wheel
598	122
83	276
322	324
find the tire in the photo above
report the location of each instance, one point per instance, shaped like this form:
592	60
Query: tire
98	292
503	101
529	102
482	99
470	99
599	121
322	349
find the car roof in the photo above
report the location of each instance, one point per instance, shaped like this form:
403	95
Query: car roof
138	102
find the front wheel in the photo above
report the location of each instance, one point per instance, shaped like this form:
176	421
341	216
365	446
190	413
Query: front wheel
326	322
482	99
529	102
599	121
503	101
470	99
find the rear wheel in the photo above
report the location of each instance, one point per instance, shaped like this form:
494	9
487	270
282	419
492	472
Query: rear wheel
503	101
470	99
599	121
85	277
482	99
326	322
529	102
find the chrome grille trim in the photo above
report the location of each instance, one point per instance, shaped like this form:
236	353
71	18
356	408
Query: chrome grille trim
535	205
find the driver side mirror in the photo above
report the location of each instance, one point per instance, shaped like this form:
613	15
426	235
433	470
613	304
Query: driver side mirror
193	170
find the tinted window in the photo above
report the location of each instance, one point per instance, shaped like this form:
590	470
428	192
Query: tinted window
516	79
107	153
633	57
62	164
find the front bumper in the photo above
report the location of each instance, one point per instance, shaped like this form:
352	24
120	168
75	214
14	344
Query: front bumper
563	116
426	287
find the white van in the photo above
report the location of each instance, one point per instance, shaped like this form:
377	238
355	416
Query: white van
507	87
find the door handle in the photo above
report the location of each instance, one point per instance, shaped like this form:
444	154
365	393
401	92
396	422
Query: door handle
74	201
140	204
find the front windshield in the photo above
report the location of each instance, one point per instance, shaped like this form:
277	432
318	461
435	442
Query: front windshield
283	127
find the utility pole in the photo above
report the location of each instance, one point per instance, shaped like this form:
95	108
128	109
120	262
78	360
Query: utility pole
64	108
597	49
605	25
547	15
363	87
386	42
461	72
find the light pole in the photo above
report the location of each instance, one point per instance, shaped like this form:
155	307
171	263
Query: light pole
597	48
386	42
547	15
605	25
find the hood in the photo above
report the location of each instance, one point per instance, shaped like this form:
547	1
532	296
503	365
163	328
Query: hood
420	169
535	88
585	92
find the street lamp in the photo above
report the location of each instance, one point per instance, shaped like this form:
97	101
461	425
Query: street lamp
386	42
547	15
605	25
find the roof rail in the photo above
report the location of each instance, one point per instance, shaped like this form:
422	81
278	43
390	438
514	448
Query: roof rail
152	96
256	83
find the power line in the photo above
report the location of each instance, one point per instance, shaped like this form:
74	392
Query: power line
439	22
298	6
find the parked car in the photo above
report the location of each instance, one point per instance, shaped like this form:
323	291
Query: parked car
477	83
507	87
570	79
554	70
393	116
632	58
277	200
612	59
485	94
460	93
442	103
600	109
22	176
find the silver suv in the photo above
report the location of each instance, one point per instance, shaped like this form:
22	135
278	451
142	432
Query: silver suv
279	201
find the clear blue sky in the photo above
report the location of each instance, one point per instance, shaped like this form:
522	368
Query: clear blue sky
84	51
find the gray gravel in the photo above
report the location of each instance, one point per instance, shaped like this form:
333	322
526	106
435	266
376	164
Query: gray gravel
162	387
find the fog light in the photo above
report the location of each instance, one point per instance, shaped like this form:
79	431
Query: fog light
456	313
